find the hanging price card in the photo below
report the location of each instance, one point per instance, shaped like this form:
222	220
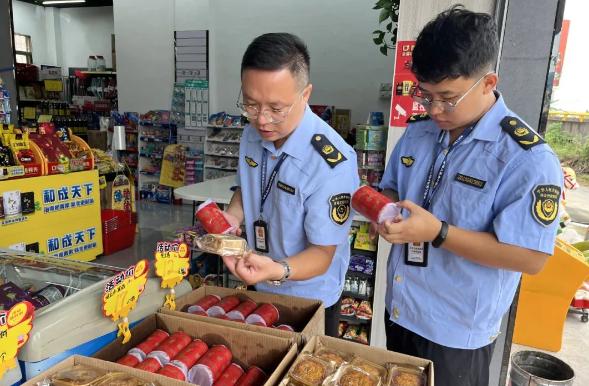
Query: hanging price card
121	294
15	325
172	263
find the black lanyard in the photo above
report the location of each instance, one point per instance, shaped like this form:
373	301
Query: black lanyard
265	189
427	197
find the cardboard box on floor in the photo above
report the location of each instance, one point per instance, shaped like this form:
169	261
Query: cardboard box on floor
273	354
306	316
372	354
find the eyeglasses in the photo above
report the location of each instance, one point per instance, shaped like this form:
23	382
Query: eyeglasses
445	105
274	116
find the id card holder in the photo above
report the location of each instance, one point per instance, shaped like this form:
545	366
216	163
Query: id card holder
416	254
261	236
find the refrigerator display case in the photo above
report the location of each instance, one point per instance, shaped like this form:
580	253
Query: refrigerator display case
68	316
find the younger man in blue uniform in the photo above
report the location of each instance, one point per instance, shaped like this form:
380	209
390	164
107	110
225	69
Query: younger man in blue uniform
480	191
296	176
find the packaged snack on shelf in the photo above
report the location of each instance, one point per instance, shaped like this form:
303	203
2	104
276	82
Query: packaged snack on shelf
363	336
226	304
201	306
350	375
364	310
349	306
230	376
362	264
243	310
352	332
211	366
266	315
310	371
343	326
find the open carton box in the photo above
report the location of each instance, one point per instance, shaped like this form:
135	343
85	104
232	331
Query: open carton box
272	354
372	354
305	316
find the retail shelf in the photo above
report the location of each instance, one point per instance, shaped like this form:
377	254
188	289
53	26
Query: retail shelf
41	100
152	174
130	150
160	126
222	155
220	167
98	72
226	127
360	275
156	156
222	141
363	252
356	296
354	320
149	139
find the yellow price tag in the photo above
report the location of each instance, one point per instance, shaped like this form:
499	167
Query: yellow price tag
122	292
30	112
53	85
15	326
172	263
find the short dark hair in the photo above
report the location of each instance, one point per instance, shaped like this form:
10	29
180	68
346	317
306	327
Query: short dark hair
458	42
276	51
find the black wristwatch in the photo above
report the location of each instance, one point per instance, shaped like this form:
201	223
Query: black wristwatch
441	237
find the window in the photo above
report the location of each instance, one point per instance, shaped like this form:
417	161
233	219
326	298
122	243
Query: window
23	49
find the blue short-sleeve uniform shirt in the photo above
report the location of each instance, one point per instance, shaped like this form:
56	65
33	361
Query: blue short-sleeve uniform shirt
494	182
309	203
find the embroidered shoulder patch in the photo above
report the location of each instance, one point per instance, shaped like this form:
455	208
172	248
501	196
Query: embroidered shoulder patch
328	152
250	162
418	117
407	161
285	187
470	181
524	135
545	203
339	207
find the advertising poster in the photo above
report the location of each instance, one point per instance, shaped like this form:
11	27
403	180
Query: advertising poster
402	105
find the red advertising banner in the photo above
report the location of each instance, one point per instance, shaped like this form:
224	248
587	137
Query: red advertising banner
402	105
564	35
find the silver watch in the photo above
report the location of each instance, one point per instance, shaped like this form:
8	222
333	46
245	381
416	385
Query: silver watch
284	277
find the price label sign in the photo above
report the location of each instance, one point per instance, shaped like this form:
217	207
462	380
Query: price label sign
15	325
53	85
172	263
121	294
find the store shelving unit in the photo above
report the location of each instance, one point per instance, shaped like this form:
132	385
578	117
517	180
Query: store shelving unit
221	151
4	105
152	141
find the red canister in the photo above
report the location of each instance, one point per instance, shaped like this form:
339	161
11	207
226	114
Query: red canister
230	376
266	314
191	353
150	364
374	205
255	376
149	344
203	304
226	304
284	327
129	360
243	310
211	366
172	371
170	347
212	219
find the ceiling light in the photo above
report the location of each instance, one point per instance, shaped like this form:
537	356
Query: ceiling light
55	2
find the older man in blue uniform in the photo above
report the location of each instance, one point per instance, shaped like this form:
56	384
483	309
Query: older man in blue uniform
296	176
480	191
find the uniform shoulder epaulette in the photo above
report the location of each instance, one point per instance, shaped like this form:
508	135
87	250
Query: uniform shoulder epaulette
524	135
418	117
328	152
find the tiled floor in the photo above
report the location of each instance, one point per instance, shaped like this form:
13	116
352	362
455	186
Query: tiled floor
159	222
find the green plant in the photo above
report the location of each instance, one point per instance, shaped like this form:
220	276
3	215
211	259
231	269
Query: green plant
389	13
